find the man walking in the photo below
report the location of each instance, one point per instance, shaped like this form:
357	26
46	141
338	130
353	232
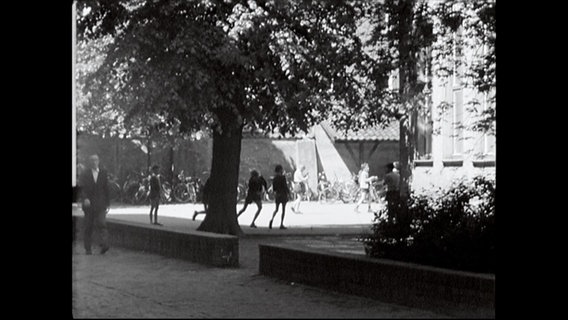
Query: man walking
93	185
392	181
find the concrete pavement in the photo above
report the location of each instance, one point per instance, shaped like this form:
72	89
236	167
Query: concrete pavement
125	283
316	218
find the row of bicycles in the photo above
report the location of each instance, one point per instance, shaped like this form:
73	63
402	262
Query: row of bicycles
188	189
347	192
136	189
327	191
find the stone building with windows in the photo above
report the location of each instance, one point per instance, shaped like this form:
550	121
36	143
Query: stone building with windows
448	148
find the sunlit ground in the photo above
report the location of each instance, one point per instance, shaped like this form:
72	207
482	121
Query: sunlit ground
313	213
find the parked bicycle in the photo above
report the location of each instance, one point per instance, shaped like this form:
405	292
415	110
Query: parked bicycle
184	190
326	191
337	190
166	195
115	191
347	191
378	191
141	195
131	187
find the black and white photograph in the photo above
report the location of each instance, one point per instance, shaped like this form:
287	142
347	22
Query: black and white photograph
283	158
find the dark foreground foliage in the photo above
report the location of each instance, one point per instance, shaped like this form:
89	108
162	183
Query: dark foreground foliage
453	228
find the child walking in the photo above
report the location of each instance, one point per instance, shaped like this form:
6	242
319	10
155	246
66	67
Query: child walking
254	194
300	187
155	194
281	194
364	186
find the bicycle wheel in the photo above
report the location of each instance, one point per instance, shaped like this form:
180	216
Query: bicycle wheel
331	195
192	194
141	195
114	191
181	193
130	193
349	193
167	192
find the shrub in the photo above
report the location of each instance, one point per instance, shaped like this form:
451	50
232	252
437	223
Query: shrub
453	228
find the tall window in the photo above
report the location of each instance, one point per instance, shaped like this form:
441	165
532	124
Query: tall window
457	122
457	134
458	58
424	134
488	140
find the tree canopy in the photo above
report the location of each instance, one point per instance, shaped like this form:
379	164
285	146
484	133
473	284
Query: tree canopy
274	65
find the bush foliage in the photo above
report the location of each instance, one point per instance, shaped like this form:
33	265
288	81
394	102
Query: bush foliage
452	228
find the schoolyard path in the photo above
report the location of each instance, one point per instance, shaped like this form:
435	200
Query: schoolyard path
126	284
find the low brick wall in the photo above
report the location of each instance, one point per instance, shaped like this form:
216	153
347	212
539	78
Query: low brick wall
391	281
203	247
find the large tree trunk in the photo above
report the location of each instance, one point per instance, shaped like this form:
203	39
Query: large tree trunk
149	154
405	152
407	83
222	215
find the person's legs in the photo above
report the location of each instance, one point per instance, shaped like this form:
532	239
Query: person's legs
88	230
273	215
296	205
372	196
204	211
259	205
195	213
366	196
283	214
157	206
361	198
100	224
151	212
391	205
293	203
243	209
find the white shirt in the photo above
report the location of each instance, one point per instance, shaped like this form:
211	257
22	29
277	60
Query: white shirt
364	179
95	174
298	176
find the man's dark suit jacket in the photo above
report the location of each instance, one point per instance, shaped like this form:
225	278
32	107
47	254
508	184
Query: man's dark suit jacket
97	193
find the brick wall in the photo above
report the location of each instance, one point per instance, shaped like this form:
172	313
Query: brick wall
264	154
386	280
386	152
203	247
120	156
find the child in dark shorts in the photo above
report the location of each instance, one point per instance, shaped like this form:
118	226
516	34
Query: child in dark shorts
155	193
281	194
254	194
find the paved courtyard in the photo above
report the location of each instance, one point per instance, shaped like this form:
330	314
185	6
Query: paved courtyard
313	214
125	283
